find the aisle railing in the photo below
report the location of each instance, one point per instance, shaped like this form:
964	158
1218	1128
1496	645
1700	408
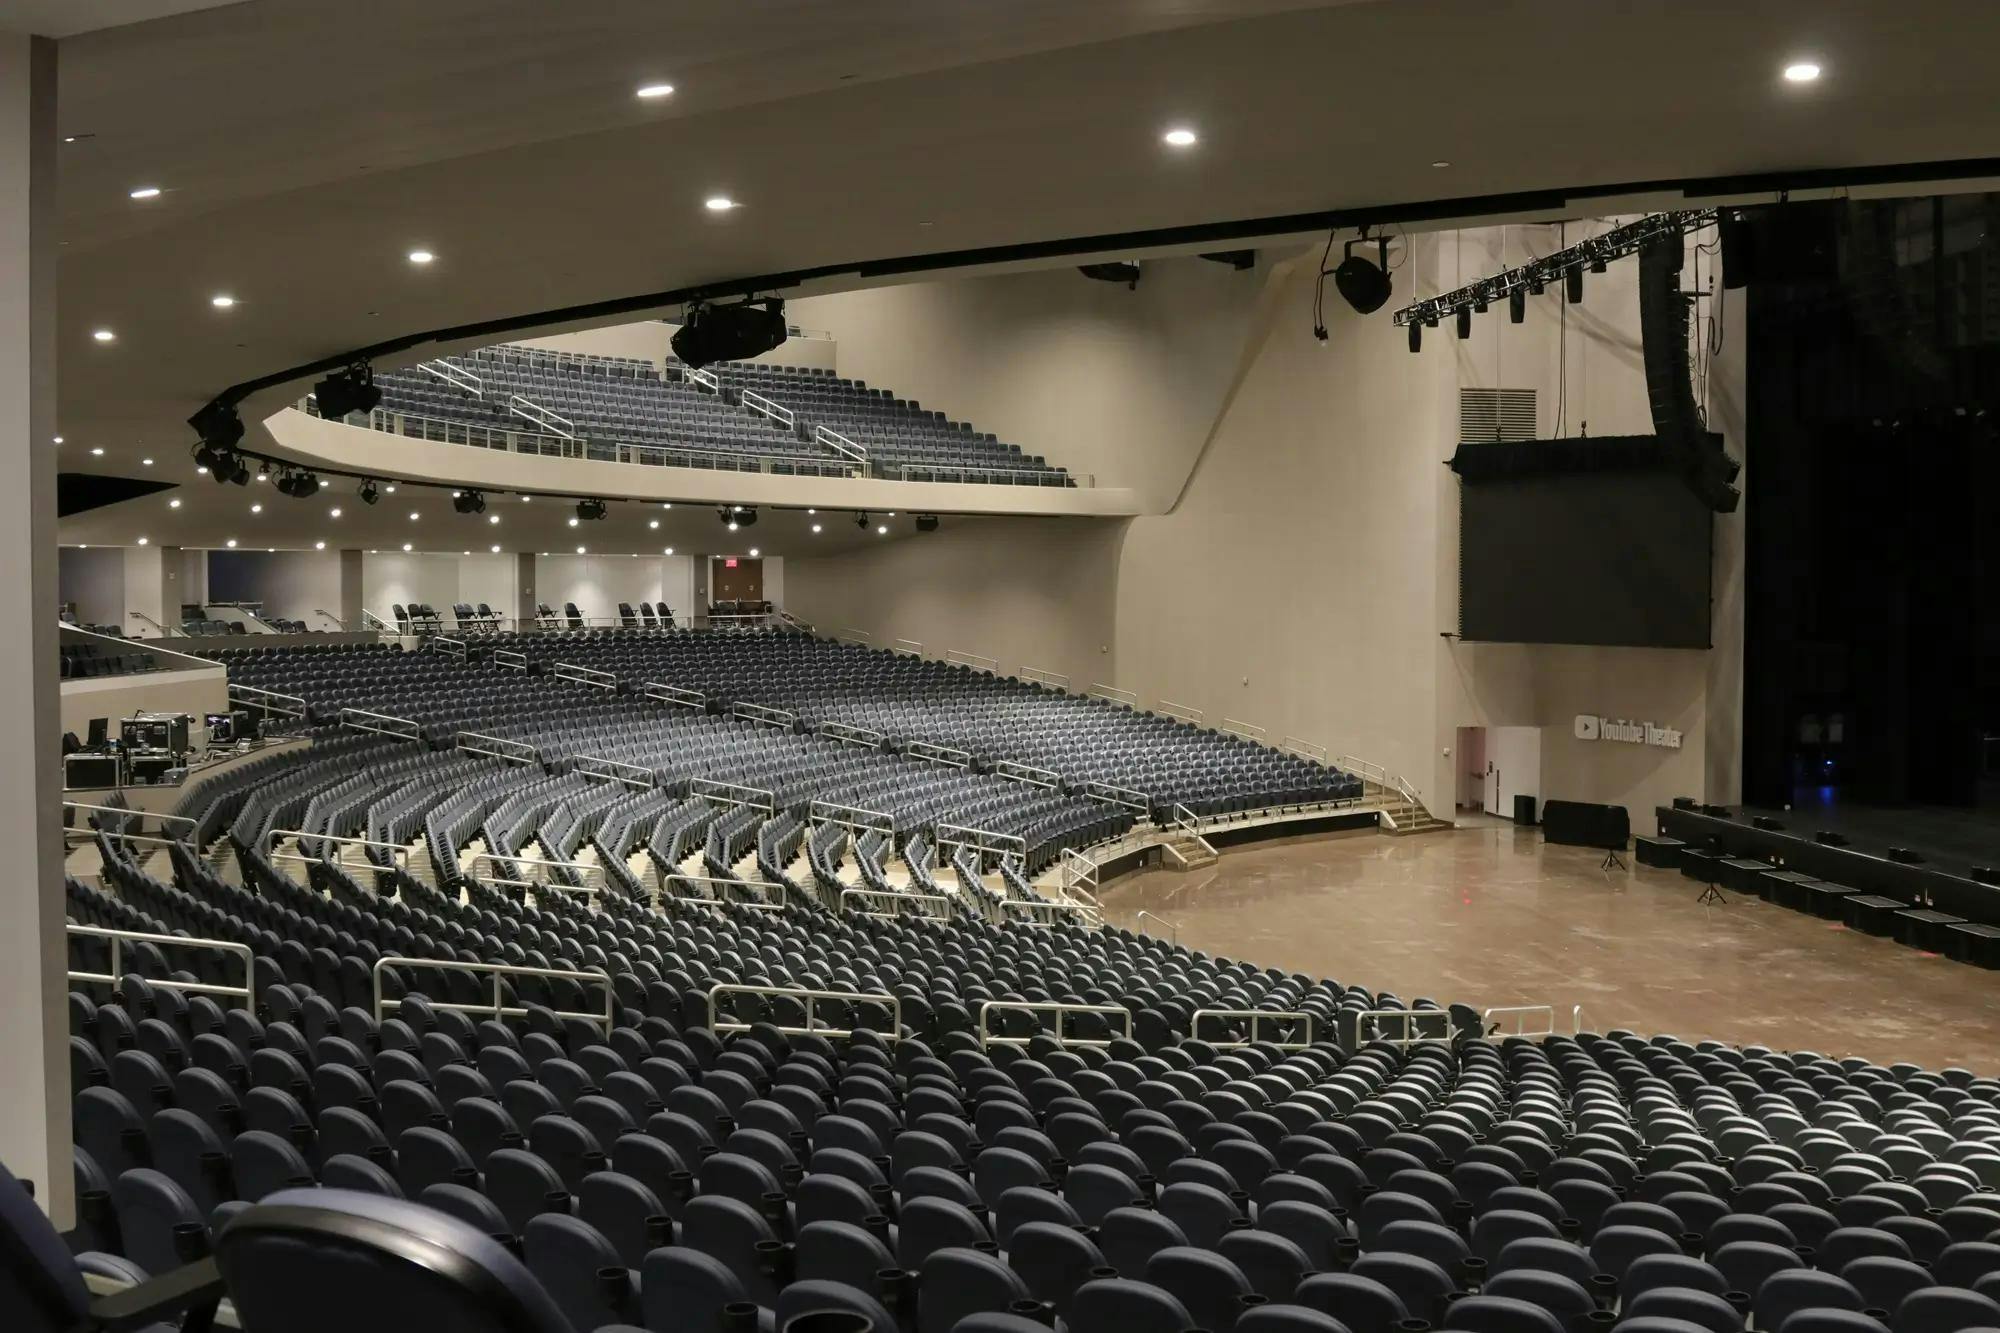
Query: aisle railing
499	1009
247	992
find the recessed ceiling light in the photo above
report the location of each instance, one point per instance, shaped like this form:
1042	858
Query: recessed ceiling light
579	550
230	542
496	548
527	499
652	522
1441	164
667	551
256	509
812	511
815	527
892	513
319	546
414	514
669	504
222	300
334	512
104	335
718	203
465	553
58	439
732	525
200	471
572	522
421	256
493	518
270	550
174	504
83	546
881	530
145	462
1180	137
1801	71
389	489
406	546
143	541
97	453
652	90
754	553
146	192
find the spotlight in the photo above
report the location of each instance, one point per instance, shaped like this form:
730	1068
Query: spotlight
1517	304
1465	321
861	520
469	502
369	492
1416	335
736	516
350	390
735	332
298	483
1363	285
1573	285
218	426
591	510
927	522
1115	271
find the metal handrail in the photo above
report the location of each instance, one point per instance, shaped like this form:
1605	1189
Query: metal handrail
629	775
448	646
1078	870
1028	773
893	896
1173	927
840	444
841	731
1380	776
499	1008
851	817
1041	912
1304	749
906	647
511	660
981	840
1040	676
141	615
676	695
295	705
762	885
456	376
414	730
1112	694
1520	1013
935	472
87	830
381	626
320	611
764	716
583	675
1410	1018
988	1038
398	853
1255	1016
497	747
977	661
938	754
1249	731
552	421
731	793
248	990
1184	712
809	997
855	636
529	863
770	407
704	377
1112	794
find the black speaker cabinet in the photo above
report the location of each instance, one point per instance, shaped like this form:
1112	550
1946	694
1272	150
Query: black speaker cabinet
1581	824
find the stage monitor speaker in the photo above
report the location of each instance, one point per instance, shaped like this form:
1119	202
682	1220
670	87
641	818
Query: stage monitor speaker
1524	810
1768	824
1686	803
1583	824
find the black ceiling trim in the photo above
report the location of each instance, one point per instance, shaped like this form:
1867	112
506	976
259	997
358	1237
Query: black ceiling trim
1208	233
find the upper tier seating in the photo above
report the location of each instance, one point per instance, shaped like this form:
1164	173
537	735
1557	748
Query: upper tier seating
606	401
702	1162
903	437
81	660
1081	738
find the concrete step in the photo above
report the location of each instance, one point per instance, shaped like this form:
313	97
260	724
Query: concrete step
1184	854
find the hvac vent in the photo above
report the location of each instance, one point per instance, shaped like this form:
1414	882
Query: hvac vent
1493	416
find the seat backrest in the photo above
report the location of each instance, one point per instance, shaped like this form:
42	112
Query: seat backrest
40	1285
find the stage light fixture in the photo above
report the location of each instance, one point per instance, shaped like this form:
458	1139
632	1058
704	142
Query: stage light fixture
218	426
1465	321
1573	286
347	391
1517	305
734	332
469	502
369	492
299	483
1416	336
927	522
1363	285
591	510
861	520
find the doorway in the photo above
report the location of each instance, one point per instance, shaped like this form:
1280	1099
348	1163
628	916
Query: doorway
1497	764
736	579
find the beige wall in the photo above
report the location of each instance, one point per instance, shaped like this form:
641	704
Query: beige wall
1097	379
197	690
1031	592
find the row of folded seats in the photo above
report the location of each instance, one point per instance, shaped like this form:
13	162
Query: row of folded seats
204	627
83	660
697	1161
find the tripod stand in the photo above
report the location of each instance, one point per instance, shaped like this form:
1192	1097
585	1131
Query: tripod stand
1711	894
1611	858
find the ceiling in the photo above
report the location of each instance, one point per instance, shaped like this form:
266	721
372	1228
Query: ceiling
67	18
304	147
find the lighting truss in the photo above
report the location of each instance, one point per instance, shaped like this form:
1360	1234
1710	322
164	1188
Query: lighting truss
1586	255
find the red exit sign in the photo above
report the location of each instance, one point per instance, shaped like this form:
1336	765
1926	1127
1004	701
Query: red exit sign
729	563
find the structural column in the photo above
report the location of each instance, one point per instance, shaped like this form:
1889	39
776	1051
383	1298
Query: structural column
152	590
34	1109
350	590
524	588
